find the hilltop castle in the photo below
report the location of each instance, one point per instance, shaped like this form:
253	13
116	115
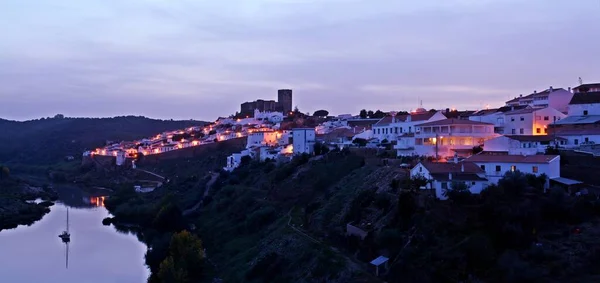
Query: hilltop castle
283	104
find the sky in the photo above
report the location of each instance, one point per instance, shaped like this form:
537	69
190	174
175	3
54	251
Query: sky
199	59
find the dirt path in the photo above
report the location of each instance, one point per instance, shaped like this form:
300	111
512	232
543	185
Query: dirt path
209	185
151	173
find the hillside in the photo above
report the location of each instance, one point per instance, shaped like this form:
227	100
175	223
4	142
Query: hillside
269	223
45	142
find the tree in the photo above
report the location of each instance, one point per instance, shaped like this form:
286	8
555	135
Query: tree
363	114
59	116
477	149
296	110
321	113
360	142
185	260
378	114
370	114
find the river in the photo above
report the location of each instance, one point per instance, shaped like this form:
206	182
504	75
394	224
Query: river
96	253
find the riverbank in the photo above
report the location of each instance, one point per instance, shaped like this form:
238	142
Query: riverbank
15	206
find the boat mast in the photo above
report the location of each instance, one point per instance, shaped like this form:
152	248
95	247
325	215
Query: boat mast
67	220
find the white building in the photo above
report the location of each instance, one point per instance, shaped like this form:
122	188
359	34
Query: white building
303	140
447	137
495	116
273	117
585	103
442	176
523	145
557	98
391	127
120	158
263	138
495	166
235	160
531	121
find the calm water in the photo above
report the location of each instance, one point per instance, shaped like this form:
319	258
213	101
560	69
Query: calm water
97	253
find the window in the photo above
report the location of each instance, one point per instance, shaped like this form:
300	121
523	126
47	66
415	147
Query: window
513	168
409	129
538	130
514	131
587	139
585	112
483	167
546	118
576	141
521	131
545	130
512	119
534	169
498	168
420	169
522	118
444	185
472	183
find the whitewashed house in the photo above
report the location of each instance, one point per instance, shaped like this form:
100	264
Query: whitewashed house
261	138
391	127
273	117
449	137
531	121
442	175
585	103
557	98
523	145
496	165
583	124
235	160
303	140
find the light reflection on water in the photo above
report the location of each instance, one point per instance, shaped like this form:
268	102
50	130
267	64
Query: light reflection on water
97	253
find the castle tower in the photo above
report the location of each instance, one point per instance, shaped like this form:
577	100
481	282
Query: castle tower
284	97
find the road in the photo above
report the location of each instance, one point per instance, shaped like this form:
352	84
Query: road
151	173
209	185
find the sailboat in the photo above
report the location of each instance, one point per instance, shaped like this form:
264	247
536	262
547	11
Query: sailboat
65	236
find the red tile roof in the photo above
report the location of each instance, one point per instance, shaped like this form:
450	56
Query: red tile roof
512	158
453	122
384	121
451	167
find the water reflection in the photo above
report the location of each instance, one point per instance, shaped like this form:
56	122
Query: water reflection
96	201
35	253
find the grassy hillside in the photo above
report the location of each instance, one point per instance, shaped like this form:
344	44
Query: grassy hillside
44	142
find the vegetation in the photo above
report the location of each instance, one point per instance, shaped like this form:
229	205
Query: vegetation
321	113
31	147
14	208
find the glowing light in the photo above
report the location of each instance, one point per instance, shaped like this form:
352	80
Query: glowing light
239	135
195	143
156	150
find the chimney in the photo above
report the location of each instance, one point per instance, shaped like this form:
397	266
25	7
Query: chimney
569	89
535	91
520	95
450	176
551	89
462	167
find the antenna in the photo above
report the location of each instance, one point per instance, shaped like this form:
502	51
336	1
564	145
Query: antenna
580	81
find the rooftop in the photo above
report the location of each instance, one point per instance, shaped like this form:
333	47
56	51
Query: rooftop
585	98
586	87
531	138
451	167
589	119
453	122
522	111
512	158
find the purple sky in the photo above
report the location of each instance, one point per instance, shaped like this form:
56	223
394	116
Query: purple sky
200	59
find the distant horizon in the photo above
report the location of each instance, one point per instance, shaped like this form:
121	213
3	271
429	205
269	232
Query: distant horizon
202	59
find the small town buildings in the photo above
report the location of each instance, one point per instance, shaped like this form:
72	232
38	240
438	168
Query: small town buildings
585	103
557	98
531	121
273	117
495	116
447	137
391	127
583	124
263	138
443	175
496	165
523	145
303	140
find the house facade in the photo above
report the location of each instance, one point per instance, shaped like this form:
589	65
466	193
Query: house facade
531	121
496	165
303	140
235	160
523	145
263	138
397	125
585	103
448	137
442	176
557	98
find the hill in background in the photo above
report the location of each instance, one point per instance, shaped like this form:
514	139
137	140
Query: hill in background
44	142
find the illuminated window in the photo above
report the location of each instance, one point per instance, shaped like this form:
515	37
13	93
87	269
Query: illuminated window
538	130
513	168
534	169
545	130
